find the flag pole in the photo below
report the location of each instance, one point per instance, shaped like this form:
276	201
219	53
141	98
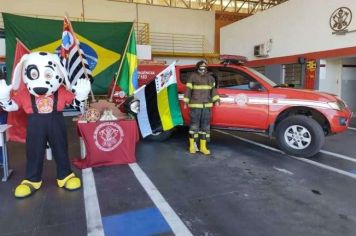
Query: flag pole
122	59
81	58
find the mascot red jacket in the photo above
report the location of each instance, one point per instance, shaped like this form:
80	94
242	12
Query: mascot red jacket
46	95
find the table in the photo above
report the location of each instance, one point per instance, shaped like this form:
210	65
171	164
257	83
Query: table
107	143
7	172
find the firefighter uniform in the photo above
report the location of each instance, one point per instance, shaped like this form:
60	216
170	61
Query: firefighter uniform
200	95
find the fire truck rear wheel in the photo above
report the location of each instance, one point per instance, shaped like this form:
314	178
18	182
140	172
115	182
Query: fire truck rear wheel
161	136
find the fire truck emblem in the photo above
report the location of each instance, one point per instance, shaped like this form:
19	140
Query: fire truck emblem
108	136
241	99
340	19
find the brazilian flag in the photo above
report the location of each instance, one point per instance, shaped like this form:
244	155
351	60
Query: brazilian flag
102	42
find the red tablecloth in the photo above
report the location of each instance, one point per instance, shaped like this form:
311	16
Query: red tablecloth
108	143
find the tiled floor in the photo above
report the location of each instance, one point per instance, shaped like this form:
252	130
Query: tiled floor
242	189
51	211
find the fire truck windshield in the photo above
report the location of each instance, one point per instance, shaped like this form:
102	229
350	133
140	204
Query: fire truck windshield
262	76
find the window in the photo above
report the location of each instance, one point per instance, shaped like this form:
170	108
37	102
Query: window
226	77
260	69
262	76
184	75
292	74
232	79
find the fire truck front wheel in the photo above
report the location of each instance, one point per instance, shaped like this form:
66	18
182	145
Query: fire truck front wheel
300	135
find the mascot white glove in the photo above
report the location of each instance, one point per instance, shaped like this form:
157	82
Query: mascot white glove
82	89
4	91
5	101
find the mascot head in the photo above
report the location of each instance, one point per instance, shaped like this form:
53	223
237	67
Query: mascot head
41	72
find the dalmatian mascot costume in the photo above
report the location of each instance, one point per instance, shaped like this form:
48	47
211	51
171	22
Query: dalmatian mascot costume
44	100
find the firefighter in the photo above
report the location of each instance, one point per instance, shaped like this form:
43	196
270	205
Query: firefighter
200	95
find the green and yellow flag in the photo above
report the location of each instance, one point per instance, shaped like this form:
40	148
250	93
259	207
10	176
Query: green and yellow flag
127	80
102	42
159	104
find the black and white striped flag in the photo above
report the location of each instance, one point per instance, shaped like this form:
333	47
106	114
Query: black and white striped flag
73	57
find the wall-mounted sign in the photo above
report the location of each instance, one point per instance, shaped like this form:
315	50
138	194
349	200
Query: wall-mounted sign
340	19
310	72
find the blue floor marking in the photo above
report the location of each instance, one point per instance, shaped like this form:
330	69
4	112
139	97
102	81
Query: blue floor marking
353	171
148	221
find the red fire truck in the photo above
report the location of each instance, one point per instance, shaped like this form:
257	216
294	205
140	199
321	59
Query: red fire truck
298	119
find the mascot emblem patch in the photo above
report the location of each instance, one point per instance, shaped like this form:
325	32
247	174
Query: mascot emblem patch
44	104
108	136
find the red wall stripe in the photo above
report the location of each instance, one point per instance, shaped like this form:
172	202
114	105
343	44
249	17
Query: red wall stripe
341	52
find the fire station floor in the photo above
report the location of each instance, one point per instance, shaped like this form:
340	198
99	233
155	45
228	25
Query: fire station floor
244	188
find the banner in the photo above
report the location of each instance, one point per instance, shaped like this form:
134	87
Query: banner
102	42
310	74
159	105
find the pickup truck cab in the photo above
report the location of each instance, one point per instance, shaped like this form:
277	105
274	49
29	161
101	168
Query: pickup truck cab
249	101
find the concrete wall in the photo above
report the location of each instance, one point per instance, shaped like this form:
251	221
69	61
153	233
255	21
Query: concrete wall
2	47
160	19
330	76
295	27
338	76
348	82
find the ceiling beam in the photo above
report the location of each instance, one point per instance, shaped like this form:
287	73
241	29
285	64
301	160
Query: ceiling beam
241	7
236	6
227	5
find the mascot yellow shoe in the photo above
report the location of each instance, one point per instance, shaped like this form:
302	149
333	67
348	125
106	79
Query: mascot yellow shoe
27	188
71	182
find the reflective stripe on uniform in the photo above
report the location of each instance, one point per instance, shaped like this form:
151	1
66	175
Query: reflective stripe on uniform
186	100
189	85
202	87
216	97
192	132
201	105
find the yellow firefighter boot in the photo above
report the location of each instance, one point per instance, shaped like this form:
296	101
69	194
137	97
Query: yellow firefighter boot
192	146
203	148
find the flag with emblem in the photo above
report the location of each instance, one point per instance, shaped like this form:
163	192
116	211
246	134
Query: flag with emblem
73	56
127	80
103	43
159	105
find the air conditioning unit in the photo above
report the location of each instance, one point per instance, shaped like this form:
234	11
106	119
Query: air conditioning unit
260	50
